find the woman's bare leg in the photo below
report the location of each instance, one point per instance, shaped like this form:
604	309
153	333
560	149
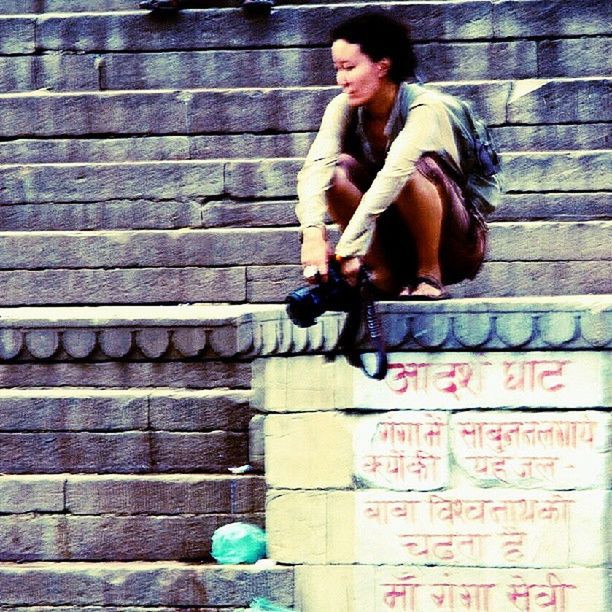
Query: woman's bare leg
421	206
343	198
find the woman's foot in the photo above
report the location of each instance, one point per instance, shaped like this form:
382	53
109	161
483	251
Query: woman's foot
426	288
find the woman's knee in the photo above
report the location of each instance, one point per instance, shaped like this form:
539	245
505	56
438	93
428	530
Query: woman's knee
420	191
344	177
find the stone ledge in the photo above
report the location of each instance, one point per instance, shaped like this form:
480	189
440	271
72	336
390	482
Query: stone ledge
166	583
171	333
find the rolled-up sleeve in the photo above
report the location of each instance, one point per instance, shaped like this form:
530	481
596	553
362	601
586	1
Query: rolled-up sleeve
314	179
420	135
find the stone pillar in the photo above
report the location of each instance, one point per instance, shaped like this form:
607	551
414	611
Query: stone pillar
464	481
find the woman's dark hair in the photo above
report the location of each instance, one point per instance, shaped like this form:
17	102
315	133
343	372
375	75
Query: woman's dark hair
380	36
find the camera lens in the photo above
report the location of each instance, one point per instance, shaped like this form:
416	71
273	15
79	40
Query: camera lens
304	305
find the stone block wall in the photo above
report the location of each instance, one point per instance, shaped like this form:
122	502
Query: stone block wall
118	436
150	159
472	479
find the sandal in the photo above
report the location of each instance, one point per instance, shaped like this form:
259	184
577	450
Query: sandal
160	5
432	282
257	8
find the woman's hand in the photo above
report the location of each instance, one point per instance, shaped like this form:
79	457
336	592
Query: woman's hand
315	253
350	268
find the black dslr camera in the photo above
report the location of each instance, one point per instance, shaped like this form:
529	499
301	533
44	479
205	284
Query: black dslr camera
307	303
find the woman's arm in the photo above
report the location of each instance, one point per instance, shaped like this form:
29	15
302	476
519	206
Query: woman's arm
314	180
427	130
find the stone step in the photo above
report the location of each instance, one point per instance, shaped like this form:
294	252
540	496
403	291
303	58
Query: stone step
153	495
254	284
205	180
123	518
81	410
255	111
140	586
512	138
296	25
121	452
260	265
547	240
219	213
522	59
51	431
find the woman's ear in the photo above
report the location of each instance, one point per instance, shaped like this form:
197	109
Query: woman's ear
384	65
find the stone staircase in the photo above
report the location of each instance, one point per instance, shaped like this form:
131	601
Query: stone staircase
147	185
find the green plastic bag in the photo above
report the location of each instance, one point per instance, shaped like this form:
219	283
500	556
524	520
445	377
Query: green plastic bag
238	543
261	604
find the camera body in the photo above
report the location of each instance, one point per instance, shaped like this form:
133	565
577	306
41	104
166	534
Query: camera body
306	304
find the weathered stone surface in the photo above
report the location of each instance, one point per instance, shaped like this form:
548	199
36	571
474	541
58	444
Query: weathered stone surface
60	114
291	27
524	241
216	146
304	67
249	214
488	98
513	207
115	214
309	451
20	7
35	114
551	137
148	249
550	18
61	150
118	609
257	450
22	453
17	74
257	110
246	146
200	411
195	375
200	69
214	451
279	385
112	538
17	35
166	583
95	182
184	494
555	278
550	101
291	520
498	279
574	57
87	6
477	60
122	286
72	410
24	494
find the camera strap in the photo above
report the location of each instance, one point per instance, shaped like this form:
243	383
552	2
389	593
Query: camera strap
364	309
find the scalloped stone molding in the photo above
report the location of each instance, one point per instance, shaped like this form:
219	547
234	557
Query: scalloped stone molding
191	331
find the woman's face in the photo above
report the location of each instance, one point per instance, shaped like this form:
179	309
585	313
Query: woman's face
358	75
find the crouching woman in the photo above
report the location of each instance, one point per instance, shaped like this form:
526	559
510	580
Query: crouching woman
383	166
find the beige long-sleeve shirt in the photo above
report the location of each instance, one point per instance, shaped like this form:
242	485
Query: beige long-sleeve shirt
418	124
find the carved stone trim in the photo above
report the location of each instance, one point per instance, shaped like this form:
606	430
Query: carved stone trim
200	331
